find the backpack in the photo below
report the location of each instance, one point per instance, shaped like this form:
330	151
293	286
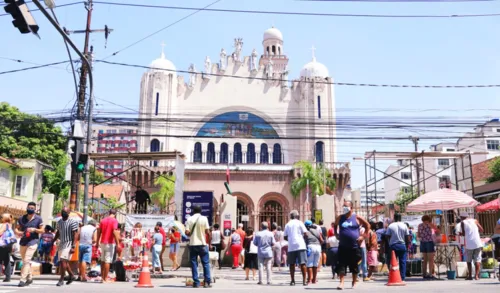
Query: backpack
8	238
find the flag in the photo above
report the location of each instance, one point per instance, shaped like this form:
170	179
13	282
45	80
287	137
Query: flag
227	175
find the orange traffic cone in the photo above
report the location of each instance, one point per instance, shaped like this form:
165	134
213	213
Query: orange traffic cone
394	274
145	276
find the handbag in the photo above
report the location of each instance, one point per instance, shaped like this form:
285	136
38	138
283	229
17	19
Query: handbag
8	238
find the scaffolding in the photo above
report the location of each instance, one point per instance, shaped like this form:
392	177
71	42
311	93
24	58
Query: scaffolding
133	160
415	163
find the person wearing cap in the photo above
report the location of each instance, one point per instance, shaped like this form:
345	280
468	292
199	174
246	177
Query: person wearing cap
88	239
470	229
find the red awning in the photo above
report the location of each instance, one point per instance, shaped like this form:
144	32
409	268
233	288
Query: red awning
493	205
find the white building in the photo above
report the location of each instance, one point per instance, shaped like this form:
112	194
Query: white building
437	172
241	110
370	199
484	138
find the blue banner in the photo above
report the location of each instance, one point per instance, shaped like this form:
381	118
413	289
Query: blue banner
190	199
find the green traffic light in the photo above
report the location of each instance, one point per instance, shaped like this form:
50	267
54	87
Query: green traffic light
80	167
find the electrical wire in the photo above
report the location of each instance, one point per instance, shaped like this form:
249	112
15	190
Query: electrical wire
308	80
33	67
162	29
291	13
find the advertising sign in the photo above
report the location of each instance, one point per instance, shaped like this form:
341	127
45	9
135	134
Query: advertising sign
204	199
148	221
318	215
227	228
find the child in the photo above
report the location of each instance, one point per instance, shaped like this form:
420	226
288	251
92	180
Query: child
46	244
372	251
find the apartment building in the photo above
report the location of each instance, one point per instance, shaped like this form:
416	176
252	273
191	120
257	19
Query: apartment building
113	140
484	138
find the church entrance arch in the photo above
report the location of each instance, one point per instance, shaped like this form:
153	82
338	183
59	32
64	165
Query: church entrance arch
244	210
274	208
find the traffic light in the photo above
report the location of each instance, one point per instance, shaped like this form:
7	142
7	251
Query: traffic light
227	188
78	159
23	19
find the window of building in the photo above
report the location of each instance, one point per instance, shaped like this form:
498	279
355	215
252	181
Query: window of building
405	189
406	175
21	182
445	178
493	145
264	154
277	154
319	107
157	103
320	152
211	153
4	181
443	162
223	153
101	131
237	154
155	147
450	150
197	152
250	153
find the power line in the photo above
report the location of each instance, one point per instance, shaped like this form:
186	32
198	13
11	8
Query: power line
162	29
58	6
33	67
309	80
292	13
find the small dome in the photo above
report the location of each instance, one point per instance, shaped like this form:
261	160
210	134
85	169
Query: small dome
314	69
163	63
273	33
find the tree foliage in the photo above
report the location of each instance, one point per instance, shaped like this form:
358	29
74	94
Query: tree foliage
316	176
494	167
28	136
95	176
163	196
404	198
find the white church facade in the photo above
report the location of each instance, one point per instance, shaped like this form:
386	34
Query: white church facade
245	112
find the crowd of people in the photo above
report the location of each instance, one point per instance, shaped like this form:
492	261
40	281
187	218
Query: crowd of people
350	245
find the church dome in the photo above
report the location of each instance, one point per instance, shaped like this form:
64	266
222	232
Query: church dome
163	63
314	68
273	33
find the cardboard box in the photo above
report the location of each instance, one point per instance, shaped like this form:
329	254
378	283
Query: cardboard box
36	268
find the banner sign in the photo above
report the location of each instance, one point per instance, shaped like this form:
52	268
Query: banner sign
148	221
204	199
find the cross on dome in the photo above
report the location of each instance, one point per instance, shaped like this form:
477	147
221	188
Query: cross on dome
313	49
162	49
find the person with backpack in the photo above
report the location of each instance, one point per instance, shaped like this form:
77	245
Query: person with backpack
7	240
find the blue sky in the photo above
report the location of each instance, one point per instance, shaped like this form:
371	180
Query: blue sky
366	50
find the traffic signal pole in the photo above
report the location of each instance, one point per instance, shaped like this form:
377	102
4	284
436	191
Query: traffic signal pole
75	184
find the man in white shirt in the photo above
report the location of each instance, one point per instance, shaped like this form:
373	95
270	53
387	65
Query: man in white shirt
197	228
297	254
473	245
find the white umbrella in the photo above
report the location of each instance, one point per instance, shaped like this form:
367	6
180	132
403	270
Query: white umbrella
442	199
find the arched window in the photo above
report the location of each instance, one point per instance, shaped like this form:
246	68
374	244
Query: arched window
197	152
274	50
154	147
211	153
237	154
277	154
320	152
264	154
157	103
223	153
251	153
267	50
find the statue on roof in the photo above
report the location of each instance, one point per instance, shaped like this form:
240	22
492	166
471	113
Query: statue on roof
253	61
208	68
269	69
223	60
192	75
238	45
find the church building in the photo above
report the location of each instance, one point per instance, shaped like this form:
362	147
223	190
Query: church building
245	113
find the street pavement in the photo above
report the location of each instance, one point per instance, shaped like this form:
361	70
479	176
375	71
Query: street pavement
280	285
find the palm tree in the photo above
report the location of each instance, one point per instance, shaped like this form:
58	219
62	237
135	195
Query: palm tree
167	190
317	177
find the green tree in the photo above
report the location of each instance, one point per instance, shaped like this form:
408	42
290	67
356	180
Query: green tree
95	176
494	167
167	190
54	182
317	176
28	136
404	198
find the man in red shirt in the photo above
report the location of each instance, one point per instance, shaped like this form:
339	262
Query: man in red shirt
163	243
108	236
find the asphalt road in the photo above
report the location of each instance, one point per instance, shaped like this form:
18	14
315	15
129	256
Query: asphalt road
281	285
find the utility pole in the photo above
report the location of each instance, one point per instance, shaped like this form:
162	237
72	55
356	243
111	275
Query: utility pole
84	71
415	142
